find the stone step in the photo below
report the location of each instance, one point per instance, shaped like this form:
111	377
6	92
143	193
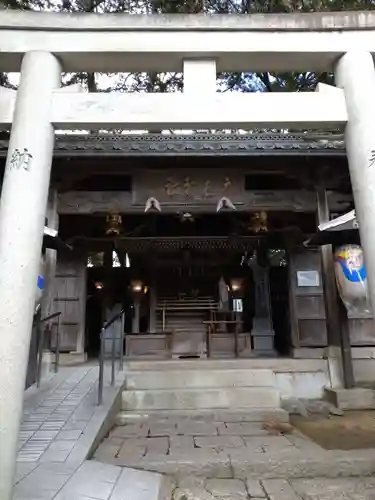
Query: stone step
276	364
171	379
252	465
196	399
245	415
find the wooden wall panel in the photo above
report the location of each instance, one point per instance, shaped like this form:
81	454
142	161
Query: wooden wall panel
70	299
307	302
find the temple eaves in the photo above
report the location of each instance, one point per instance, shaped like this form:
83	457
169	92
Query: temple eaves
196	145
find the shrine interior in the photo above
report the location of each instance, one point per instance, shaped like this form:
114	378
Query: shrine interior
181	259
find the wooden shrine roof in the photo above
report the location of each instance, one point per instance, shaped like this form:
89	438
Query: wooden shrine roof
218	144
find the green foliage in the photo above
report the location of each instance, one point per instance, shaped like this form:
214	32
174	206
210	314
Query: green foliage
168	82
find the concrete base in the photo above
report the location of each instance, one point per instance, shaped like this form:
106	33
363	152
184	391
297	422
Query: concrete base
72	358
195	379
246	415
298	378
48	362
205	398
200	388
351	399
294	378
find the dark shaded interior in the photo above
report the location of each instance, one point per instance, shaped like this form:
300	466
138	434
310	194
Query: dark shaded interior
184	258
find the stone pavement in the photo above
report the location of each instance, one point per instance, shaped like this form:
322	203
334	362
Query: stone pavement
154	438
60	424
231	459
56	416
235	448
193	488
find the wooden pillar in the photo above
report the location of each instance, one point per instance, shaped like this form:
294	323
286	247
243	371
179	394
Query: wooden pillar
108	260
336	317
47	306
331	298
263	333
48	296
153	301
136	316
82	312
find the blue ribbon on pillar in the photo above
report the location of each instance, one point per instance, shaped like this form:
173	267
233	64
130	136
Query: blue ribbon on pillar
40	283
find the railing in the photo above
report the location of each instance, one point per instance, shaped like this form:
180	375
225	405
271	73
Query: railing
41	337
113	353
181	305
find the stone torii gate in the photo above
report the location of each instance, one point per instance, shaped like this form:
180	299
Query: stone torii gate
42	45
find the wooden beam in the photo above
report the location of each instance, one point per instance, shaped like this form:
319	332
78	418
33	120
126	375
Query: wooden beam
94	202
103	202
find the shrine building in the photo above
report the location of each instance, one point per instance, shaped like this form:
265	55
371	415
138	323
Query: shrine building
195	242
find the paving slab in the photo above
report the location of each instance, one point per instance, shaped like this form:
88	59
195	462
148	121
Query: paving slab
195	428
242	429
227	488
332	489
132	449
124	431
107	451
163	429
191	488
279	489
137	485
255	489
268	443
204	463
91	481
69	434
23	469
178	444
219	443
292	464
303	443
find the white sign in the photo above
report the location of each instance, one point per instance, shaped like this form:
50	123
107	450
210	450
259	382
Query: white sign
308	278
237	305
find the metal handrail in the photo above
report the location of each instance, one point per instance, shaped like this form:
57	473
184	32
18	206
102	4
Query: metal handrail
101	353
40	335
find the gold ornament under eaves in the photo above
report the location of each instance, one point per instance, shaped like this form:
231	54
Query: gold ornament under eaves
259	222
113	224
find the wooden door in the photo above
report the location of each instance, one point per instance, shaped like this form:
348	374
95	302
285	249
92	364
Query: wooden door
70	299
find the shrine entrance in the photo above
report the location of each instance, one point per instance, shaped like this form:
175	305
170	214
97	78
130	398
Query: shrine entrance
193	286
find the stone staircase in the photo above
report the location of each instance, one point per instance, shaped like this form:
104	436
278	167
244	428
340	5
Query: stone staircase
200	387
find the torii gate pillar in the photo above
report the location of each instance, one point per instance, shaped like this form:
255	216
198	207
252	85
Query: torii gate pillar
22	211
355	74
